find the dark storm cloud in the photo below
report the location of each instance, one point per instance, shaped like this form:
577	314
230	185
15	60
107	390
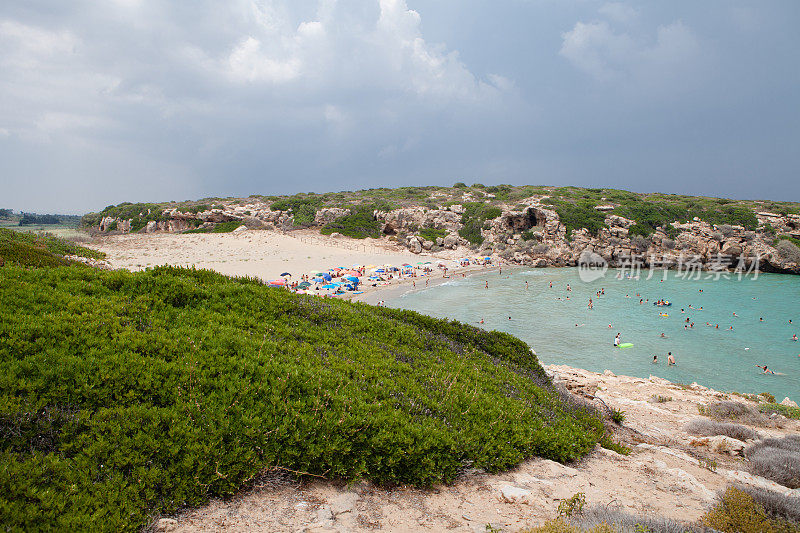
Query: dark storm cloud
154	100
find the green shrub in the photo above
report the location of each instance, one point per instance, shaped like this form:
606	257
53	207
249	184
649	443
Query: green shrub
578	215
359	224
785	410
459	185
303	208
133	394
473	219
431	233
737	512
30	250
617	416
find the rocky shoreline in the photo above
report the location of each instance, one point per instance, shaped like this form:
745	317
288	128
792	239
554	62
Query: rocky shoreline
532	234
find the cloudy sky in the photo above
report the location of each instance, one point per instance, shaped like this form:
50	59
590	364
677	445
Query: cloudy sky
151	100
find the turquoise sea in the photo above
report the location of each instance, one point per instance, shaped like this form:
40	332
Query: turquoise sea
722	359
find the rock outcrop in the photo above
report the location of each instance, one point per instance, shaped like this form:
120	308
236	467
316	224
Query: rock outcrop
532	234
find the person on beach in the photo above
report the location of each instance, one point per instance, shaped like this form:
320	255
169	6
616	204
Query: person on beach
765	369
670	359
616	341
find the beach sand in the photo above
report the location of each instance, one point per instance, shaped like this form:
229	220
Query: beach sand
267	254
256	253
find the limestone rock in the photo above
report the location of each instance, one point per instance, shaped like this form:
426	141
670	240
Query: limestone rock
512	494
165	525
427	245
789	403
721	444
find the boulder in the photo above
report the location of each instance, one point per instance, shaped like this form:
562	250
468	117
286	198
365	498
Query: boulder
427	245
512	494
415	246
789	403
721	444
450	241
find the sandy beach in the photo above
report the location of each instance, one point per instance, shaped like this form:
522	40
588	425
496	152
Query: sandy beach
268	254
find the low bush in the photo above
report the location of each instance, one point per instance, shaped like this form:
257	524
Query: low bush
777	459
580	215
701	426
788	250
359	224
655	398
776	408
623	521
617	416
738	512
474	218
124	395
775	504
31	250
729	410
431	233
303	208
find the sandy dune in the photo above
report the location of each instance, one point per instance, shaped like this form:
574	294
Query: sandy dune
262	254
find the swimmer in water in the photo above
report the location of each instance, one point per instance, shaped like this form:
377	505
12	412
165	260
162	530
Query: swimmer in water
794	337
765	369
579	325
616	341
670	359
526	285
655	358
663	336
610	326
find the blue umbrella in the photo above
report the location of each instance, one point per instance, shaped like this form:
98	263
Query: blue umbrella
380	270
327	277
352	278
329	286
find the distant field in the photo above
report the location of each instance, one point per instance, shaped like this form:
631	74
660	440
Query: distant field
64	231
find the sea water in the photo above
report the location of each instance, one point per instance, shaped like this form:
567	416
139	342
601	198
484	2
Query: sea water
561	328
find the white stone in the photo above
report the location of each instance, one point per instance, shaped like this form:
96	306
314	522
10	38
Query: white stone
512	494
165	525
789	403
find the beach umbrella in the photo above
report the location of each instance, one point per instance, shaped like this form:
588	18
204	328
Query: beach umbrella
329	286
327	277
286	274
278	282
352	278
406	264
303	285
380	270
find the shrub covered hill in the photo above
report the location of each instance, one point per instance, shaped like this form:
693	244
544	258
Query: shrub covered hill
124	395
532	225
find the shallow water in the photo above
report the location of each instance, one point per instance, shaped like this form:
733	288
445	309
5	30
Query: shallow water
718	358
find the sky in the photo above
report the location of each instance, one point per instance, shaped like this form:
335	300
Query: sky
153	100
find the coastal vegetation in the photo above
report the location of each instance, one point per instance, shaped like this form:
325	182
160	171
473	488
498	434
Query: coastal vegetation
360	223
124	395
30	250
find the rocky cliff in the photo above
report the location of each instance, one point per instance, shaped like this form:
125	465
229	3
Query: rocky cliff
529	233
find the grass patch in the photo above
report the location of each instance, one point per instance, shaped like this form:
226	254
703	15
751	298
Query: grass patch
728	410
123	395
30	250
